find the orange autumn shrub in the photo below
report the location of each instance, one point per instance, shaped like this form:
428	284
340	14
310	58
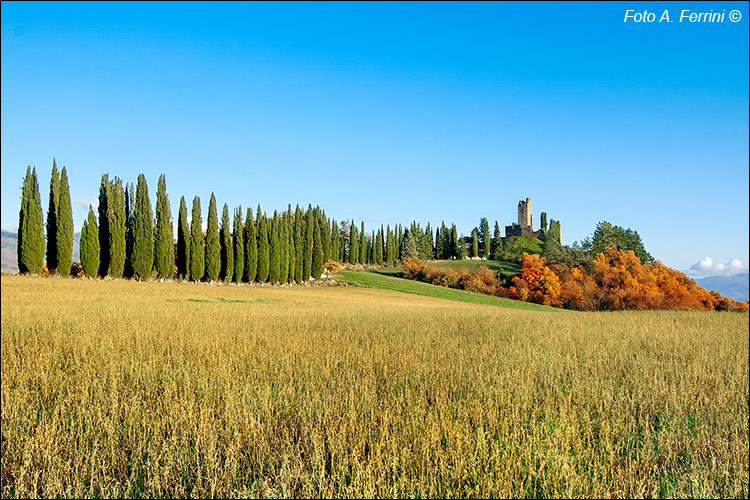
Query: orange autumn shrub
537	282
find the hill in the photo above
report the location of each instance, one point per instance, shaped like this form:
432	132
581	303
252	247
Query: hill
736	286
9	261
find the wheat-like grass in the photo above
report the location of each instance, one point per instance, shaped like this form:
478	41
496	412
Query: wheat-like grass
122	389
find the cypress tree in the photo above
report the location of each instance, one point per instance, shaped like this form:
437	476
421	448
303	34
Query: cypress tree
438	244
129	237
362	244
292	249
353	244
164	243
316	268
213	247
484	228
251	248
89	245
325	237
116	220
495	241
197	250
239	246
543	221
284	255
263	249
227	250
447	235
183	242
378	250
474	243
299	246
308	254
274	252
30	227
64	235
104	189
453	252
54	195
143	232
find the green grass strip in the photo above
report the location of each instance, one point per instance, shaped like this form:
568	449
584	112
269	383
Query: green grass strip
376	280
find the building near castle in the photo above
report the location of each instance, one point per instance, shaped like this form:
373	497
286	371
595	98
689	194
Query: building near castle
525	226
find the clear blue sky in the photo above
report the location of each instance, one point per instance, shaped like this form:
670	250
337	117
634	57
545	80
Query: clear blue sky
392	112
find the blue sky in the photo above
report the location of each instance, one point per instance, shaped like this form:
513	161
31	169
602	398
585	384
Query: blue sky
393	112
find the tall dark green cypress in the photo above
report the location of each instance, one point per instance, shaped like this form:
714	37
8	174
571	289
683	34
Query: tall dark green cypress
495	241
183	242
316	268
353	244
378	250
143	232
484	233
54	195
116	221
64	236
238	234
30	227
325	236
163	239
474	243
89	245
274	252
308	256
213	247
129	237
227	251
362	244
263	249
284	251
104	189
453	242
299	244
543	220
197	250
290	245
251	248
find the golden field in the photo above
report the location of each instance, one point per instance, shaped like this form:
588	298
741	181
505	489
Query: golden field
118	388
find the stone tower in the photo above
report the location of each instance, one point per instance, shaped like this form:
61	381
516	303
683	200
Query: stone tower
524	216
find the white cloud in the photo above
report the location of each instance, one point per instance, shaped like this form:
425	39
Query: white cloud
85	202
707	267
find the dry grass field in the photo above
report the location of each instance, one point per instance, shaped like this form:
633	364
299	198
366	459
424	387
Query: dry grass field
124	389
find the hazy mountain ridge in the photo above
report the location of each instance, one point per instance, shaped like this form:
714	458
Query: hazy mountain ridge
736	286
9	260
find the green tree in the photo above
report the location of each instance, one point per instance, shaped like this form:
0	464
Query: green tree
183	242
453	243
54	195
316	268
143	232
299	244
239	246
474	243
353	244
543	221
197	250
410	246
606	235
89	245
308	251
30	227
362	244
227	250
64	236
264	263
164	244
284	247
486	237
551	248
116	222
496	241
251	247
274	254
129	228
213	247
104	189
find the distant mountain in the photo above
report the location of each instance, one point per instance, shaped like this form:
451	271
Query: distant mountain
9	261
736	286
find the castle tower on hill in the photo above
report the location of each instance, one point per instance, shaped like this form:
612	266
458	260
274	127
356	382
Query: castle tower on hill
524	226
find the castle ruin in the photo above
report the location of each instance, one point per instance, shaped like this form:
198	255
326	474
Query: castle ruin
524	226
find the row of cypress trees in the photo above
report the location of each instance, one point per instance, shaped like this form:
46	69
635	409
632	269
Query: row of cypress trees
31	234
129	240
